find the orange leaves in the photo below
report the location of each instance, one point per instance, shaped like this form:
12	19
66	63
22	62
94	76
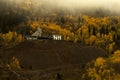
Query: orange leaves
92	73
116	57
84	30
111	47
91	40
66	33
19	38
14	64
100	62
100	70
8	36
105	20
56	29
11	37
34	25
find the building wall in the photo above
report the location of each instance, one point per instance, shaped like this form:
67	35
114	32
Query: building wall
57	37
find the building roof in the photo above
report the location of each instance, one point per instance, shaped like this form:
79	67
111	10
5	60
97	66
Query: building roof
37	33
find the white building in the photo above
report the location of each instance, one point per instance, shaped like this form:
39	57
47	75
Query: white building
57	37
38	33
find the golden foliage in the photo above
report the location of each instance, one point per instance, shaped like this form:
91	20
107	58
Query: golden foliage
8	36
111	47
11	38
34	25
100	62
84	31
95	31
56	29
92	73
14	64
19	38
91	40
100	70
116	57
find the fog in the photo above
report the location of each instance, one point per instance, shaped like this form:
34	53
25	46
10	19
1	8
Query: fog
79	3
109	4
112	6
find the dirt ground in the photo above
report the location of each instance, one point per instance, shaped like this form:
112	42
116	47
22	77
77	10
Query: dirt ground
45	54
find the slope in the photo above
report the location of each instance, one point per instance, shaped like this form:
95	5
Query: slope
45	54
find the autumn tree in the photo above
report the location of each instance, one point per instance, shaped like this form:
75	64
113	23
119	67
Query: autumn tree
116	57
99	70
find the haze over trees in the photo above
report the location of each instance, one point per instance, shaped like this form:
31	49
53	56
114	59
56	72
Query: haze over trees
94	26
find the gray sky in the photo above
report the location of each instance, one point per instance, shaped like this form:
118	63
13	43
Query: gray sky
77	3
112	5
89	3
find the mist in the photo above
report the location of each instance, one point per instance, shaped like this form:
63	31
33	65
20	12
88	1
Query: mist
84	3
112	6
88	6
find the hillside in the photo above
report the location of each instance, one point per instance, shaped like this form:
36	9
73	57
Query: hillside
48	54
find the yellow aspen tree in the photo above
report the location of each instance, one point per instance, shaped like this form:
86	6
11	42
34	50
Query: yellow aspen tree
9	36
116	57
14	64
19	38
92	39
111	47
